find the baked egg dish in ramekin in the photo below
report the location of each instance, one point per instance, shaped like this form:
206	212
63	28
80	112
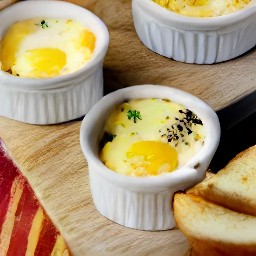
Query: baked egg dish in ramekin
45	47
203	8
201	31
142	144
50	61
144	137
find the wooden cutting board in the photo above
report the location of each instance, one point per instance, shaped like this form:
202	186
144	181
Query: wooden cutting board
5	3
51	159
129	62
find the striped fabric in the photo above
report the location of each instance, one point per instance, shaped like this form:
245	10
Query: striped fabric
25	228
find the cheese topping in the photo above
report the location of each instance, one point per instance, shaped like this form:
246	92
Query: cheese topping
144	137
203	8
45	47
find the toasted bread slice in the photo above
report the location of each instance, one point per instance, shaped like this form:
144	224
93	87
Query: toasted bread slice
233	187
213	230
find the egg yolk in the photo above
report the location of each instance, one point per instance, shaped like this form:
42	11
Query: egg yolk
42	48
88	40
44	62
199	2
156	157
8	48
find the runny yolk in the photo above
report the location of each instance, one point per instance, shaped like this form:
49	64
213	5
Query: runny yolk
154	157
45	62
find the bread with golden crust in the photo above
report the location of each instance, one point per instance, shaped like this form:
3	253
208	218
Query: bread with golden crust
213	230
218	216
234	186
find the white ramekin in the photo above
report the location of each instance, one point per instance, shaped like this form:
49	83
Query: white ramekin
62	98
143	202
192	39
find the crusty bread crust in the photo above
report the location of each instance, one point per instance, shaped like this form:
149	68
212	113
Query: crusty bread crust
213	230
218	216
234	186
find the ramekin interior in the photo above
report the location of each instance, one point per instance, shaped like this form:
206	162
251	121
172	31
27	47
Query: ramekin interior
190	23
54	9
93	123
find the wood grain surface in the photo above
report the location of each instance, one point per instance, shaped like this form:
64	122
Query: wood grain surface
51	159
129	62
5	3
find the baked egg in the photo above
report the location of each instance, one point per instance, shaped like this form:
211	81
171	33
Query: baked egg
147	137
203	8
45	47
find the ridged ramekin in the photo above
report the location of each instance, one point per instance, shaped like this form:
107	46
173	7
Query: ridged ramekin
143	202
192	39
57	99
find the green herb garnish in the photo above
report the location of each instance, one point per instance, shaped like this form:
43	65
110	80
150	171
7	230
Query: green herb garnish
44	24
135	114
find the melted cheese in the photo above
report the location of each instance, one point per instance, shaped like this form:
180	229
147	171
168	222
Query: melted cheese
41	48
203	8
157	139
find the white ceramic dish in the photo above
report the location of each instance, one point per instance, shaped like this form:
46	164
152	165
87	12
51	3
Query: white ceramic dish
194	40
58	99
143	202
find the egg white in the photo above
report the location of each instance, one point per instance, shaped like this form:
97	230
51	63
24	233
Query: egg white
61	34
157	116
